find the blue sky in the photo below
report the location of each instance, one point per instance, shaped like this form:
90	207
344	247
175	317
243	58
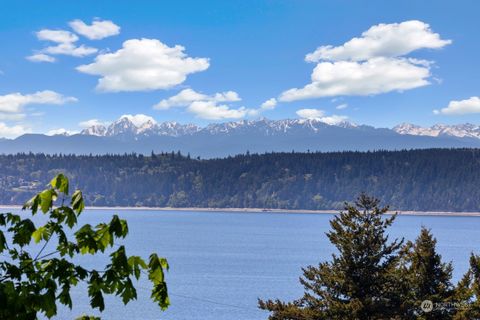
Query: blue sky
415	57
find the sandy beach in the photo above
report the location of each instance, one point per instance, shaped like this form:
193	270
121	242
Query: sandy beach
260	210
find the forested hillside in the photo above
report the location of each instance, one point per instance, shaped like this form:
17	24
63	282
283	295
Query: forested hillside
433	179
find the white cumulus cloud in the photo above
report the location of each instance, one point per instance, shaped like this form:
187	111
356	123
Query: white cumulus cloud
61	132
99	29
12	108
70	49
138	119
310	113
382	40
471	105
14	102
91	123
333	119
143	65
212	111
374	76
342	106
41	57
372	64
187	96
12	131
212	107
318	114
270	104
65	44
58	36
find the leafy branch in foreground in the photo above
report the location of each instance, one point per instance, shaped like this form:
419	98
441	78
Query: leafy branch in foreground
35	283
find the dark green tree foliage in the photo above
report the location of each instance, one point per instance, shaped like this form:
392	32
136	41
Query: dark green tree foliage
360	282
467	293
34	281
436	179
428	278
373	278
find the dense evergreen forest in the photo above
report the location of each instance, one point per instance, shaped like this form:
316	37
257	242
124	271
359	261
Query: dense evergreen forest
432	179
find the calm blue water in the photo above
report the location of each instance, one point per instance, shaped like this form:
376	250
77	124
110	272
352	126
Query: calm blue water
222	262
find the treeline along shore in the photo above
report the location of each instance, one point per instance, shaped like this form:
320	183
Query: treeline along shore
415	180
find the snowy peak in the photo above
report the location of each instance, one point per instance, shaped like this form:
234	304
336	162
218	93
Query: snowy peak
272	127
129	128
462	130
175	129
466	130
122	126
95	130
126	127
146	126
408	128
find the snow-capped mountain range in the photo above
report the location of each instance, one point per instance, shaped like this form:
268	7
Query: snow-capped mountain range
466	130
143	135
126	128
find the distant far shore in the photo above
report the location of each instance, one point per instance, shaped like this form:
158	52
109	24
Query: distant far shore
260	210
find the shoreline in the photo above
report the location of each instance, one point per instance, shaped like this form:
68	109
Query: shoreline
260	210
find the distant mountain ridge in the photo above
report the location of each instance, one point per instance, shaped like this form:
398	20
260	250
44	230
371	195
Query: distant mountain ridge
127	135
124	127
466	130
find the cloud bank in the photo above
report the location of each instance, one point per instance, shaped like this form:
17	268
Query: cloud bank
14	102
99	29
318	114
466	106
372	64
65	41
382	40
143	65
12	131
212	107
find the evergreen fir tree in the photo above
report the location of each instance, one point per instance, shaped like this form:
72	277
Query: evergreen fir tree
360	282
429	279
467	293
